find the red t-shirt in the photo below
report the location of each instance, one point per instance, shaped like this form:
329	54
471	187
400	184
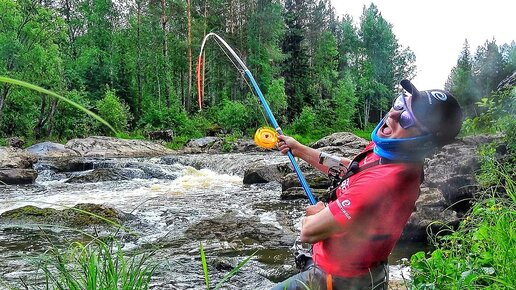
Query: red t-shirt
373	206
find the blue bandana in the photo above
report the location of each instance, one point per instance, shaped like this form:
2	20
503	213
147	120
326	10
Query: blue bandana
413	149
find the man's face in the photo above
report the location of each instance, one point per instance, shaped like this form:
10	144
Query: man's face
392	128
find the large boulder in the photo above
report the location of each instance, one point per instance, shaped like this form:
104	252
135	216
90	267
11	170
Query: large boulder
101	146
431	215
16	166
51	150
263	171
452	170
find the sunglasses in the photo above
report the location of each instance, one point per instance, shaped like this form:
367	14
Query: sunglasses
406	119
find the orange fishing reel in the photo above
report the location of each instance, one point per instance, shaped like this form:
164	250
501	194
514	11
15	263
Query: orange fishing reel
266	137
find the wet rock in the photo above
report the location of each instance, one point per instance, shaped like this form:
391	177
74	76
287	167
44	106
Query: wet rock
18	176
107	147
81	215
320	194
233	227
51	150
65	164
16	166
263	171
107	174
315	178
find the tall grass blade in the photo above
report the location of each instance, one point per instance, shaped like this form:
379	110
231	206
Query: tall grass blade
204	266
50	93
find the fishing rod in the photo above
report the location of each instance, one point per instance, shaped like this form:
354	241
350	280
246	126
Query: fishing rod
240	65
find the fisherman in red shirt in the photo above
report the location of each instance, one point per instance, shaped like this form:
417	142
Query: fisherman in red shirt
354	234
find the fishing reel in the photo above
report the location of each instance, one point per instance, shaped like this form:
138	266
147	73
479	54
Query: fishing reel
266	137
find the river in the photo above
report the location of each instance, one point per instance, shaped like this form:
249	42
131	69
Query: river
177	203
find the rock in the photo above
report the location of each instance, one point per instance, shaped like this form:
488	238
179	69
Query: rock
107	174
16	142
262	171
81	215
65	164
16	158
101	146
232	226
165	135
16	166
51	150
315	179
203	142
452	170
18	176
299	193
343	144
432	214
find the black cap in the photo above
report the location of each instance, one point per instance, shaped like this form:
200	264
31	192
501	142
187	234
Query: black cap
437	110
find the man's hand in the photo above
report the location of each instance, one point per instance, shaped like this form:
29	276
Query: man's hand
313	209
287	143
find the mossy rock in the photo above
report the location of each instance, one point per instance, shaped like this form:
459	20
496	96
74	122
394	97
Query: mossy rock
81	215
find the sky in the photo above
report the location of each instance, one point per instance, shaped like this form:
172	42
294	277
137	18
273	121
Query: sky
436	30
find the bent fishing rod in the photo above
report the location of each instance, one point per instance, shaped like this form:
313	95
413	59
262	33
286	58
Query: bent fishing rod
240	65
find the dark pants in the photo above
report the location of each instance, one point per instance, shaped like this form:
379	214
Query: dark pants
316	279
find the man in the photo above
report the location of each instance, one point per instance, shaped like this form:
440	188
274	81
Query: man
354	234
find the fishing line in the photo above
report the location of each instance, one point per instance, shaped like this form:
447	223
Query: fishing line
245	80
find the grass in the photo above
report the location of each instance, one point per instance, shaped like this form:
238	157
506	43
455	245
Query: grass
96	265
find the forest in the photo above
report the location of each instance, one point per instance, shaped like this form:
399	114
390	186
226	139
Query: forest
133	63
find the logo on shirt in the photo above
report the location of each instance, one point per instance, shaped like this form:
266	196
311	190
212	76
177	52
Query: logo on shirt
344	184
342	204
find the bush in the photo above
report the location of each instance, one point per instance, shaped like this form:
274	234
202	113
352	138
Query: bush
114	111
70	122
305	122
233	115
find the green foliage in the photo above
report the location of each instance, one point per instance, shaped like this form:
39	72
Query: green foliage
277	100
305	123
480	253
159	117
233	115
498	111
345	104
70	122
114	111
96	265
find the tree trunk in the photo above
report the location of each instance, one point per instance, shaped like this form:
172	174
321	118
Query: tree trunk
53	108
4	93
189	44
367	109
139	60
164	20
